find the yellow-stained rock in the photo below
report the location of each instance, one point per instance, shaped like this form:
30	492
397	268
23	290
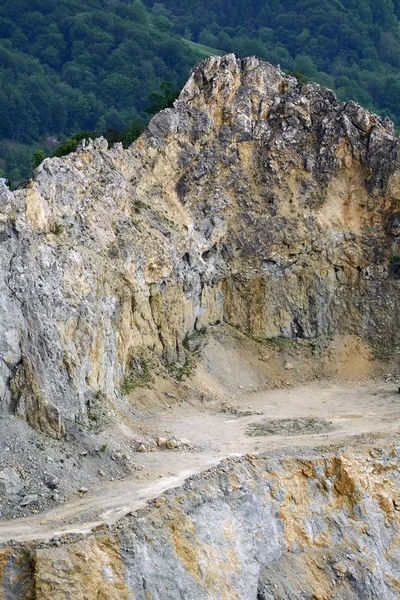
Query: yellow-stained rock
88	570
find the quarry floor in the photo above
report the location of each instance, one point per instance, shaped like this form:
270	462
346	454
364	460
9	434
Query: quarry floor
323	415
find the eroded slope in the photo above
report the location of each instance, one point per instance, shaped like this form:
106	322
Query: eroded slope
254	200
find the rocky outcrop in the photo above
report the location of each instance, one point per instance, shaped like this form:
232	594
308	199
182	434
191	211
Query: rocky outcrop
255	200
313	526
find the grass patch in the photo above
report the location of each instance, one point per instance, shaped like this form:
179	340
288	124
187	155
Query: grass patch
179	373
384	352
192	344
138	376
281	343
203	51
57	228
138	205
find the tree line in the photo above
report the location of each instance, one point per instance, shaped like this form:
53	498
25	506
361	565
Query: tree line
69	66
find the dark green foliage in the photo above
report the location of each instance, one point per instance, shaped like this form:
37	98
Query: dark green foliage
57	228
71	144
15	159
38	158
128	135
137	375
132	131
299	76
70	65
352	47
162	99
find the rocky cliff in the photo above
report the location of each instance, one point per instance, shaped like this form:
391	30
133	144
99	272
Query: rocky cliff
313	526
254	200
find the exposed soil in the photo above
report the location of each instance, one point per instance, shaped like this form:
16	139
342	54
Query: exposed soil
225	409
368	412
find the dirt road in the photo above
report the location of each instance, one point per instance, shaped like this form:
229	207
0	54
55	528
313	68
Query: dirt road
312	415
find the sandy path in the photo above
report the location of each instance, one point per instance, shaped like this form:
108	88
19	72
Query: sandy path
352	410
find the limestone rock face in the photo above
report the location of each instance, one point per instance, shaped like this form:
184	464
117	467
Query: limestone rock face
254	200
300	527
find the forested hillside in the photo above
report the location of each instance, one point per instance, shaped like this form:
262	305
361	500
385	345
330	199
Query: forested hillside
352	46
68	65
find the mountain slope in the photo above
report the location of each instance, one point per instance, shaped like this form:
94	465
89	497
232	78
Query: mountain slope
254	201
352	47
248	239
68	66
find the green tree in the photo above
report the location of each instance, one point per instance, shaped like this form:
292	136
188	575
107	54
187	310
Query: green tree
140	14
133	130
37	158
70	145
162	99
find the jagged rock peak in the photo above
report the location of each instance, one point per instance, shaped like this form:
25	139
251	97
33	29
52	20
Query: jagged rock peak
230	88
254	201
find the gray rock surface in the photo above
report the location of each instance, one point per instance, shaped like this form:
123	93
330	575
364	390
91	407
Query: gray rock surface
294	529
254	200
10	483
295	525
